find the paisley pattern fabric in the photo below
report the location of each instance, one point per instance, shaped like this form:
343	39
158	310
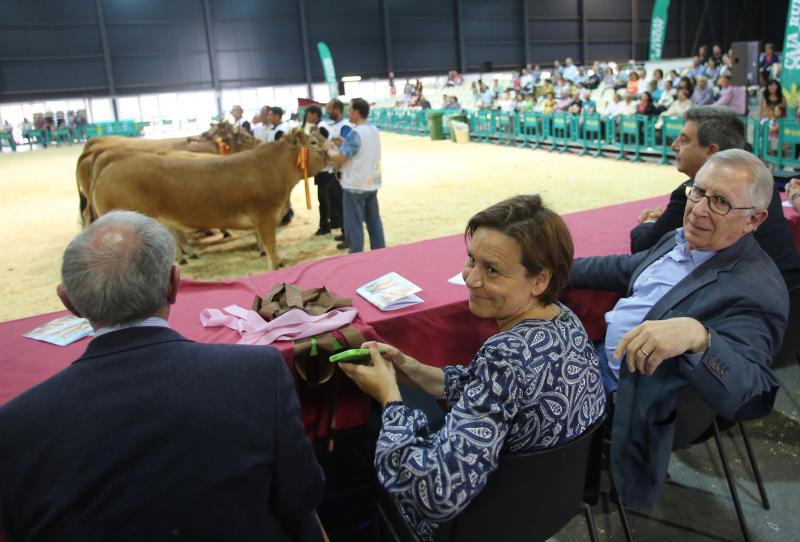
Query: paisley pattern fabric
534	386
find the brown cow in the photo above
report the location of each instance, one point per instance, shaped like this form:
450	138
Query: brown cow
235	140
241	191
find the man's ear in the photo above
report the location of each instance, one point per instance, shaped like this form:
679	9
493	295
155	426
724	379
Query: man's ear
756	219
711	149
174	282
62	295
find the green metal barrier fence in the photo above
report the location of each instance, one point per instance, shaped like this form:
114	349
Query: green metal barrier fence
670	130
592	135
531	127
559	132
781	149
626	137
126	128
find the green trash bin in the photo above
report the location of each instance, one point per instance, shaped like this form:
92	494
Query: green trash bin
435	126
459	118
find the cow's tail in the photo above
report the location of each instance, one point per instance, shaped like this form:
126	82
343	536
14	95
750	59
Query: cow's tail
83	200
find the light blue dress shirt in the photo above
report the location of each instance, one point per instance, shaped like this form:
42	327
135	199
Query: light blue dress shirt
650	286
152	321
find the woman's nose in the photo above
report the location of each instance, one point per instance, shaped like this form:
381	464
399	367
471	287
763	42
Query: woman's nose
472	277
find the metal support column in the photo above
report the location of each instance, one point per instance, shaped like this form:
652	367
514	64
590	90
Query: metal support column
301	5
101	25
212	58
683	28
387	36
724	20
462	64
634	27
584	35
526	38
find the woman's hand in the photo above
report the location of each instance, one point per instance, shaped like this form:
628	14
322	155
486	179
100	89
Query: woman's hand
376	379
406	365
411	372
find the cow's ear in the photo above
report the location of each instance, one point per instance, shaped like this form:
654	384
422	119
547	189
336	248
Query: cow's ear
296	137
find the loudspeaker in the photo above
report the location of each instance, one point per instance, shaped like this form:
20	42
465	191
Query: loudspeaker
341	88
486	67
745	63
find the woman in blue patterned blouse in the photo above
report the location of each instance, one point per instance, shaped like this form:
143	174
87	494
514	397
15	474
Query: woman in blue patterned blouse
535	384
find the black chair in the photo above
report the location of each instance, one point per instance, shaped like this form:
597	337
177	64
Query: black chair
790	350
529	497
695	423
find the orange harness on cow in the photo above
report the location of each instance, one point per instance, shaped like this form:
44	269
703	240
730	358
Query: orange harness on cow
302	165
222	147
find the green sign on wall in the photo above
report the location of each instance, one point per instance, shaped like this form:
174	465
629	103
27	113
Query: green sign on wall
658	28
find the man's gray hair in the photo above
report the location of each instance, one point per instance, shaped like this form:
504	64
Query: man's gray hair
117	270
717	125
761	182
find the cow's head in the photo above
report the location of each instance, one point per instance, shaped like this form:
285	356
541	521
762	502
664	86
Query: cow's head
241	140
234	139
317	157
222	129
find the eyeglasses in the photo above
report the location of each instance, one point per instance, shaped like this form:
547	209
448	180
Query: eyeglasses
717	204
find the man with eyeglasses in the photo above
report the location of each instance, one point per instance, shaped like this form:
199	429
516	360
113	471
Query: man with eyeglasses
705	307
710	129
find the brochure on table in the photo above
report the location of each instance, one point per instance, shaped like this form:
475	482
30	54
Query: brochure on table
390	292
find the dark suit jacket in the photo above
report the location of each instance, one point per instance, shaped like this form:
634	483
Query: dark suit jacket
773	235
740	296
149	436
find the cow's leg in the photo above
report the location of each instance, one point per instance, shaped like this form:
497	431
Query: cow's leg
85	213
286	212
185	249
266	228
260	244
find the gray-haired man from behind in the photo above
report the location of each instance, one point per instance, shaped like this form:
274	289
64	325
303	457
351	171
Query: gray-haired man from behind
705	307
150	436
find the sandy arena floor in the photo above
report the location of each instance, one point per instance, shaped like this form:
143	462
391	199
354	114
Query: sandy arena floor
430	189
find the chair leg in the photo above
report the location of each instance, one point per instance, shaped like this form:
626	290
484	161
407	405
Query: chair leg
385	521
623	518
587	512
731	484
754	466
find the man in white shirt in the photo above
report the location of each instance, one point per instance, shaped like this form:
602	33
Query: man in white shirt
277	131
261	126
338	129
360	164
570	71
279	128
238	122
312	121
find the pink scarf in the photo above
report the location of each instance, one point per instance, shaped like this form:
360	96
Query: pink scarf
294	324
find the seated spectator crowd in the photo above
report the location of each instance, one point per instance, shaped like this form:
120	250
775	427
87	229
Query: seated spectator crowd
611	91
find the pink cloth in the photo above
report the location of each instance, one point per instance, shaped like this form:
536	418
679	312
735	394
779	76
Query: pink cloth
294	324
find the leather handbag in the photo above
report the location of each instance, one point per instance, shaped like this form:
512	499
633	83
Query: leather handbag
311	354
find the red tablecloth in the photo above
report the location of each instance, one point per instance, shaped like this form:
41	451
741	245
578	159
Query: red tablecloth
439	331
